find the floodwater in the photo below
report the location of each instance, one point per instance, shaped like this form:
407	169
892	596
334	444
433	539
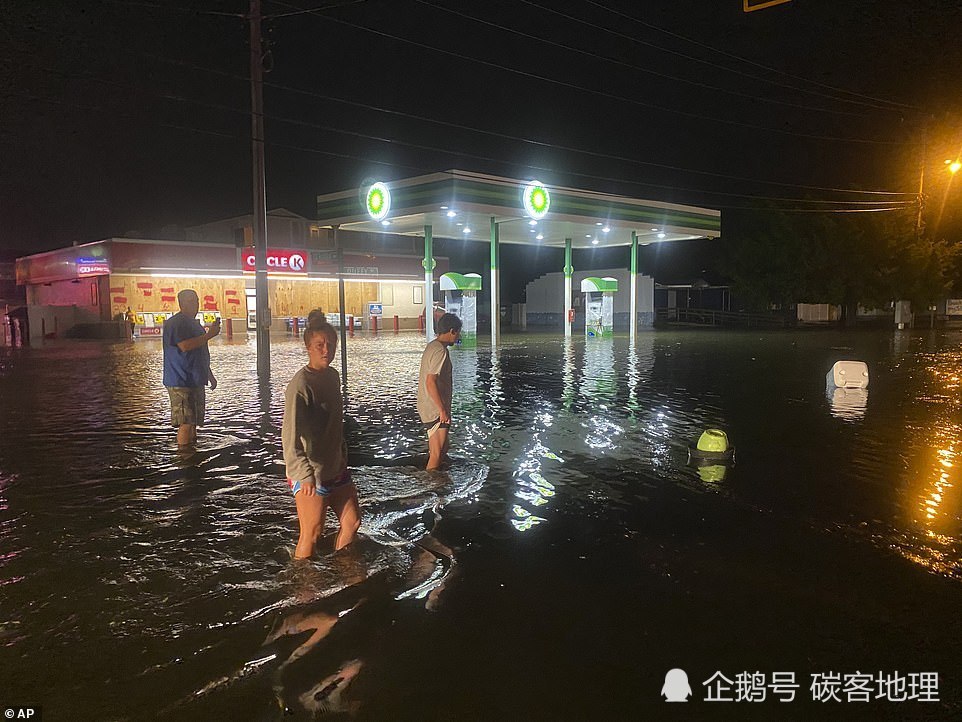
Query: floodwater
568	560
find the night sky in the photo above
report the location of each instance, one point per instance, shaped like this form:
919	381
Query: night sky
121	116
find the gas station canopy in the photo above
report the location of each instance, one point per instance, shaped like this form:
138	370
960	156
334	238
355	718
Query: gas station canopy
461	204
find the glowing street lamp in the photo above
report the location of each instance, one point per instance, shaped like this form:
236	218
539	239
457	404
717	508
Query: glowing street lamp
953	165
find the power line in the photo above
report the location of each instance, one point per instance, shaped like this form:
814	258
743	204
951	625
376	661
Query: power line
174	8
757	65
321	8
610	96
393	141
490	159
543	144
634	67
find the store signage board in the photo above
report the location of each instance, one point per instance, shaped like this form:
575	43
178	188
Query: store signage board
287	261
375	309
92	267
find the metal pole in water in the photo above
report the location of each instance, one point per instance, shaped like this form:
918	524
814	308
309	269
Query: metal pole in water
263	330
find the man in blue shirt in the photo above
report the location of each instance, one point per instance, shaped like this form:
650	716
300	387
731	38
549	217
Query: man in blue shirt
187	366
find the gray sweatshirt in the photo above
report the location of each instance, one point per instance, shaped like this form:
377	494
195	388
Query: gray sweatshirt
312	432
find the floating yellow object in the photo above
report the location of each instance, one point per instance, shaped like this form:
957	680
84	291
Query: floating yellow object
713	440
712	448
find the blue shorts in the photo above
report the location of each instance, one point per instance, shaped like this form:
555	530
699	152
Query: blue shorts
326	487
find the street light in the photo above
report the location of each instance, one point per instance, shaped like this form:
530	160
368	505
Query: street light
953	166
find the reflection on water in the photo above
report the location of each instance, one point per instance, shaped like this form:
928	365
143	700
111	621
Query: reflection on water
847	404
175	571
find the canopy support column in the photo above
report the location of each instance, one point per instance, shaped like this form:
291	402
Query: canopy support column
342	309
495	286
633	276
568	270
428	264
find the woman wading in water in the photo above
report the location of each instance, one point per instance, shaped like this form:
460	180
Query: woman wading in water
315	452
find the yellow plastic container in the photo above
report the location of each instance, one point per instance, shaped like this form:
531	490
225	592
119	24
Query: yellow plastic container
713	440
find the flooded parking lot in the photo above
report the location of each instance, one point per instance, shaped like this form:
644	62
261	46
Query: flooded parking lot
565	563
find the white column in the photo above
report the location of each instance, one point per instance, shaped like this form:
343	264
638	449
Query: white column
633	275
568	270
495	289
428	264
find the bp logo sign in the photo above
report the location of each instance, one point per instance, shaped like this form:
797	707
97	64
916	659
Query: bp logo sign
536	200
378	201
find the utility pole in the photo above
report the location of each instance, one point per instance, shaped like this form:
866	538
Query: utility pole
263	330
919	221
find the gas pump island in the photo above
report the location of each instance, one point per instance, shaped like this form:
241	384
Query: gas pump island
468	206
461	299
599	305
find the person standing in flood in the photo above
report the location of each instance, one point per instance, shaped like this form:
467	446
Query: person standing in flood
187	367
435	388
312	434
131	322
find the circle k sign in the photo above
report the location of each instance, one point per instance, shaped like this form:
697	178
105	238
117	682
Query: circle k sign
278	260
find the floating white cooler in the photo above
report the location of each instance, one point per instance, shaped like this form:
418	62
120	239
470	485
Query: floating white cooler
848	375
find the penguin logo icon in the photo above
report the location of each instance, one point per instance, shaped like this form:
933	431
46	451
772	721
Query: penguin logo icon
676	687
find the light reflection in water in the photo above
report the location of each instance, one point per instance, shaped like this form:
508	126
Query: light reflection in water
157	549
568	373
599	387
937	506
847	404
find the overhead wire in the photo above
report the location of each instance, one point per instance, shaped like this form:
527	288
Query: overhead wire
329	6
459	153
485	158
507	136
174	8
601	93
885	102
632	66
444	151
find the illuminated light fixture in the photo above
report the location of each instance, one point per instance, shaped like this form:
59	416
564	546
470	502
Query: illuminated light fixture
599	223
444	208
536	200
532	222
954	166
378	201
587	235
605	229
385	223
465	230
540	236
661	235
451	214
531	230
594	242
459	224
654	229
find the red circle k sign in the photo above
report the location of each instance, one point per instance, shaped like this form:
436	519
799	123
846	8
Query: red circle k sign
278	260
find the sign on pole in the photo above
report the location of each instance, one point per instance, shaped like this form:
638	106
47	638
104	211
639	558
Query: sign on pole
375	309
752	5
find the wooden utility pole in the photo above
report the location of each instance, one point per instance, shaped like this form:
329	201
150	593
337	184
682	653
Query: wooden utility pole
263	325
